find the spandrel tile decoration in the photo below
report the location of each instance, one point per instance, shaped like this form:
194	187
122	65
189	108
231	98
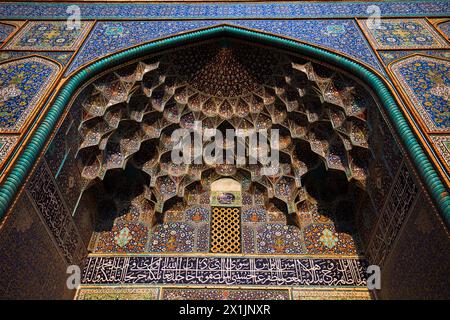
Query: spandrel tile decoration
225	150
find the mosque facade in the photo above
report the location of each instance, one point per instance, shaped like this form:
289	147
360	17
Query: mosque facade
230	150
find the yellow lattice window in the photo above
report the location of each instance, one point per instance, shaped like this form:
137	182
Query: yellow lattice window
226	230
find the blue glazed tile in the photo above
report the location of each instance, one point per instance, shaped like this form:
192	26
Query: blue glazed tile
389	56
48	35
5	31
426	82
445	28
339	35
403	34
225	10
23	84
109	37
62	57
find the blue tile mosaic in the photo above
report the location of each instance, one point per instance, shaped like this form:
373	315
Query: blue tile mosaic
445	28
49	35
426	82
389	56
109	37
23	84
339	35
403	34
226	10
145	269
5	31
7	143
62	57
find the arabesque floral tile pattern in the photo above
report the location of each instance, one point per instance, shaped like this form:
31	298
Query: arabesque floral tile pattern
402	34
426	81
49	35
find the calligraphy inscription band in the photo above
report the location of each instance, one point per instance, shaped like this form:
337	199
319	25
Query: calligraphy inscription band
103	270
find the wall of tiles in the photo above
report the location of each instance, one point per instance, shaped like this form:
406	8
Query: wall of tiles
33	264
52	221
417	265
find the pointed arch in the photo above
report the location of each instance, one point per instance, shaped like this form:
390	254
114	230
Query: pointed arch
381	89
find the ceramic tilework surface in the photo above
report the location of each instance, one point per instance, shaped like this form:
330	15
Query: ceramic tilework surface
48	35
31	265
7	143
442	143
421	246
401	34
60	158
49	204
23	84
223	294
228	293
268	233
118	293
445	28
180	232
339	35
108	37
189	231
388	56
426	81
61	57
195	270
54	189
383	169
398	206
327	294
227	10
5	31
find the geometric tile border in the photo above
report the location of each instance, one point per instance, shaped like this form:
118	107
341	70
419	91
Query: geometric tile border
49	35
212	270
7	143
442	143
403	34
330	294
218	293
62	57
23	84
388	56
5	30
445	28
117	293
223	294
338	35
47	201
267	9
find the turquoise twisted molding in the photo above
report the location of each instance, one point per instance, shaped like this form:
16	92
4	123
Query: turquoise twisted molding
26	160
